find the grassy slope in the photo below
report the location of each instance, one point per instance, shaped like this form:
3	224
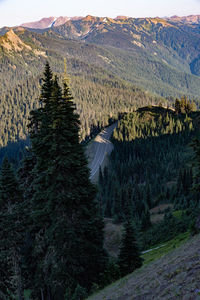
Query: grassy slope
175	275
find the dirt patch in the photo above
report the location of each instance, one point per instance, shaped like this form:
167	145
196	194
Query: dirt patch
155	218
160	208
113	236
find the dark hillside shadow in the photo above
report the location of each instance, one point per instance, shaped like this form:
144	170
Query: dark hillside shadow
14	151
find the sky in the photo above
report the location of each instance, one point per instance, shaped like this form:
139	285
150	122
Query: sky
16	12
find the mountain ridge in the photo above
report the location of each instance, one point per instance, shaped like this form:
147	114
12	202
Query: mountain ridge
190	19
53	21
45	23
160	45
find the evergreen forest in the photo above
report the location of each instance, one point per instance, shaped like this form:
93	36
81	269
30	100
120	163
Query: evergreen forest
52	217
152	165
51	231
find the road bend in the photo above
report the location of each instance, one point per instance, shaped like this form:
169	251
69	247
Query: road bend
102	146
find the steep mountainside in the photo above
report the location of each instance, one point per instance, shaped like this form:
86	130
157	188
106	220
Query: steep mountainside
161	44
151	165
150	53
174	276
166	40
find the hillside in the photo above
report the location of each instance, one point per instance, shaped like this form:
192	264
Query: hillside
115	65
174	276
99	94
155	54
163	39
149	179
150	165
163	70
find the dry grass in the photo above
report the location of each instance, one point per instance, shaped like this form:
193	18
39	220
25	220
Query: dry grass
157	213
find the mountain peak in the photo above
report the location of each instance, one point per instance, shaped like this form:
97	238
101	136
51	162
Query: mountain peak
49	22
121	17
41	24
11	42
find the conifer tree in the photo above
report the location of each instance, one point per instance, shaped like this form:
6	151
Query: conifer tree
177	106
10	233
9	190
196	184
148	196
129	256
68	226
100	181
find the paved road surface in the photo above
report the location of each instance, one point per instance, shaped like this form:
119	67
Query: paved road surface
101	147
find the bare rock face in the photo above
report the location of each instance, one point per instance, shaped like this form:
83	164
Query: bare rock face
60	21
11	42
41	24
49	22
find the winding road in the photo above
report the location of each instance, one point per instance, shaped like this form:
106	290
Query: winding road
102	146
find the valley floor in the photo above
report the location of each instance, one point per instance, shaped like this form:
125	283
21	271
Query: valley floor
174	276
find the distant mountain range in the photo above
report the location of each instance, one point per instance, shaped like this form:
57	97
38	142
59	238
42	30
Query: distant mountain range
54	21
160	55
192	19
173	43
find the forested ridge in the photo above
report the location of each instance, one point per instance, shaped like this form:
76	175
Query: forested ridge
99	96
97	100
152	165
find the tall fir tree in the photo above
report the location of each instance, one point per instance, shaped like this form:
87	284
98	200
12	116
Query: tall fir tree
129	256
68	226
